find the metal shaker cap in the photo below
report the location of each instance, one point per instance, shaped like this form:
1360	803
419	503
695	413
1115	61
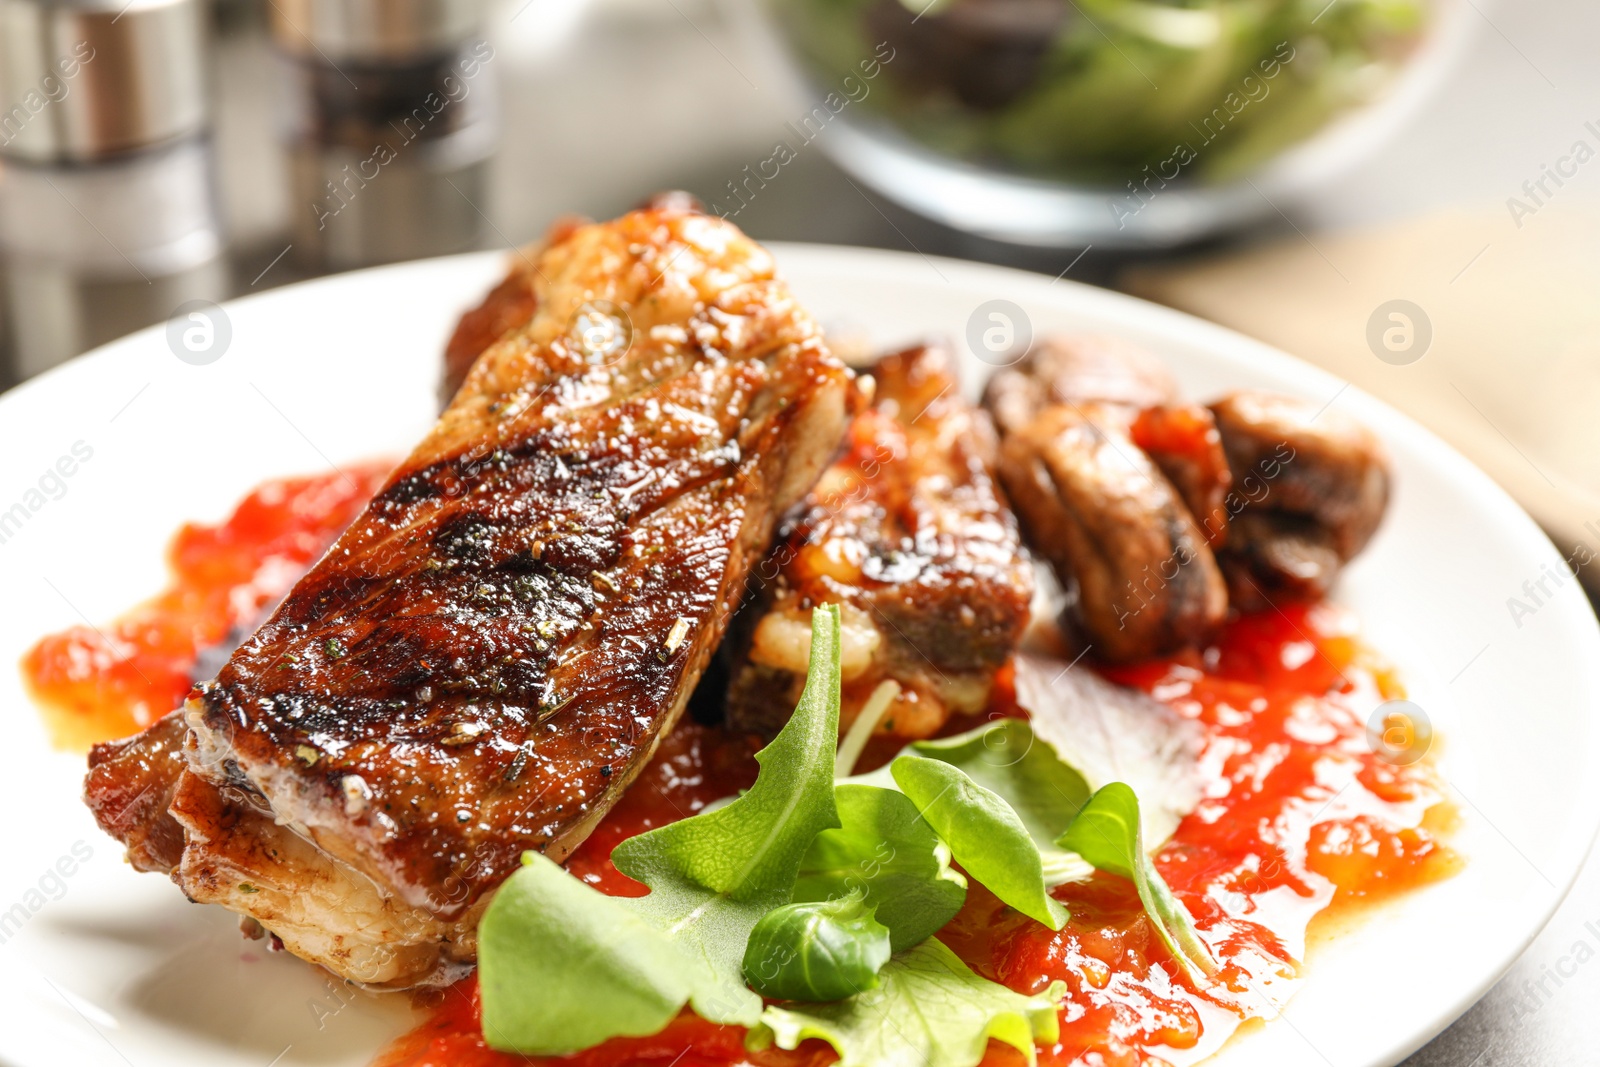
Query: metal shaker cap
373	31
83	80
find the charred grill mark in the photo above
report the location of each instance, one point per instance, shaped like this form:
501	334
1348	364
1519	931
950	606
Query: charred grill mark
1317	485
409	490
455	476
524	563
465	538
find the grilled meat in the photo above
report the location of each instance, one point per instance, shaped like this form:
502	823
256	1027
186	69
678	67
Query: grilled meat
130	787
1130	386
1182	440
1140	577
908	534
1280	494
1107	471
509	306
1118	375
487	656
1316	485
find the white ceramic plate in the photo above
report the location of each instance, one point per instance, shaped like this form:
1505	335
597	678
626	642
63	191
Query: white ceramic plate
106	966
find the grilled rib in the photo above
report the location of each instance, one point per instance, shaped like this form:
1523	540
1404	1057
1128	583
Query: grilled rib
1156	514
1077	369
1142	579
510	304
130	786
907	532
490	652
1121	487
1316	485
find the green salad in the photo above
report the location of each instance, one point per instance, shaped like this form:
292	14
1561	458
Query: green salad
810	905
1096	90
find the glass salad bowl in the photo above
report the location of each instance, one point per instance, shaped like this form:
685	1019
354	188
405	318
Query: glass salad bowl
1122	122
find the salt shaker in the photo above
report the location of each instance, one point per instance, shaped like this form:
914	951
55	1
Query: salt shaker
389	121
109	217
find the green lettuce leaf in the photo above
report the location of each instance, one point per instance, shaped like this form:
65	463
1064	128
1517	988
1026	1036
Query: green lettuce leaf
928	1010
1108	834
886	851
817	950
1111	733
1006	758
562	967
1000	799
984	834
711	879
714	876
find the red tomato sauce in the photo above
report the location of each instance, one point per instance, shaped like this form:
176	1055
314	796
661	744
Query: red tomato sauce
99	684
1299	816
452	1037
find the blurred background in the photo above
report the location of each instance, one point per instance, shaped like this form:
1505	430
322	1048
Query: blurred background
1404	191
1291	168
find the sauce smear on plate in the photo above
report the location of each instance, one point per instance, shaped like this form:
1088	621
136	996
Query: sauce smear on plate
101	684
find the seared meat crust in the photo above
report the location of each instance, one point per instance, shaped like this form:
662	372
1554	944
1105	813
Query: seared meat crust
509	306
1077	369
1183	441
908	533
1140	576
130	786
490	652
1325	481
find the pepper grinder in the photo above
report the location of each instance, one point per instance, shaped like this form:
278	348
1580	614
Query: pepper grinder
389	121
109	216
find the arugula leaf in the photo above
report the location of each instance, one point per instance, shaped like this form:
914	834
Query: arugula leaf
1000	799
929	1010
1107	833
884	849
562	967
984	833
1045	792
817	950
1111	733
712	878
